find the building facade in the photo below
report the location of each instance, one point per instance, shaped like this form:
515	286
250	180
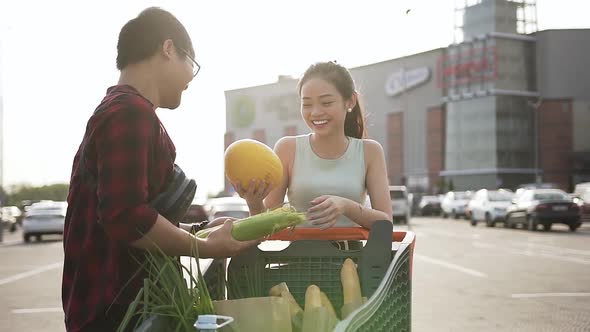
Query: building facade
498	109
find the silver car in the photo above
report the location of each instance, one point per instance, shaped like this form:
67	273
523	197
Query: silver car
489	206
400	203
44	218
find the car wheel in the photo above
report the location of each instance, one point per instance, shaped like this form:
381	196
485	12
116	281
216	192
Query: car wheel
27	238
38	238
531	223
489	221
13	228
454	214
547	227
445	216
573	227
509	223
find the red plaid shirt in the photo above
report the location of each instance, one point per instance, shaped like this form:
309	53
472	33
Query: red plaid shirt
131	158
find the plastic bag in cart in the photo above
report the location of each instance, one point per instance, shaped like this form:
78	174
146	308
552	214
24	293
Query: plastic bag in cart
255	314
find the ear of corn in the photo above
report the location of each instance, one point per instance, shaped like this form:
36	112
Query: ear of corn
327	304
317	316
277	289
351	287
294	310
313	299
261	225
294	307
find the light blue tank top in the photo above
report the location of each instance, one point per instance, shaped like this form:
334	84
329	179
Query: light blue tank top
313	176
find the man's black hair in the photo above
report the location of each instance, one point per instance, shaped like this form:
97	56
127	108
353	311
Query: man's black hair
141	37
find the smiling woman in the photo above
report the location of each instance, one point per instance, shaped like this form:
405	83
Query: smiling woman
329	171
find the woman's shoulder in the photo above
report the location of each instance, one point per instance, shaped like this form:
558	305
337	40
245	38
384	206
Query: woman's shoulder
372	149
371	144
285	144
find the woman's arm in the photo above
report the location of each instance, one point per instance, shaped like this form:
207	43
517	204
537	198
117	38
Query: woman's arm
377	186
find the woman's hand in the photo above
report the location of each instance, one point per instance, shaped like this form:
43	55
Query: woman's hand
325	210
255	194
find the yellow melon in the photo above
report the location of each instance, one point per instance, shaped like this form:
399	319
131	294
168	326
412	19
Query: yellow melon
247	159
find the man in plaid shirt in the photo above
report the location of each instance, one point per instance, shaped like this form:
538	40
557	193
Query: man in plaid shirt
109	223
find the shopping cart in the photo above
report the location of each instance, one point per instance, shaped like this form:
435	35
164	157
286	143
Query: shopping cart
384	267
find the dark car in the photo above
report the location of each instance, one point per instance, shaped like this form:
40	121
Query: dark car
196	213
429	206
545	207
585	206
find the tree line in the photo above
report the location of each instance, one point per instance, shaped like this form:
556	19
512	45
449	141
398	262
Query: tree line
25	194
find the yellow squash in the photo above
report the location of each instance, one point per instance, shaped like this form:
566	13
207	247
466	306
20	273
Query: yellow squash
247	160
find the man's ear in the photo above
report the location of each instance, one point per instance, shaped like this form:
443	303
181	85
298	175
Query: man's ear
168	48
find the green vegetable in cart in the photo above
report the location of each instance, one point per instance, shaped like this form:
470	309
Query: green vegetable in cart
327	304
313	298
351	286
278	288
282	290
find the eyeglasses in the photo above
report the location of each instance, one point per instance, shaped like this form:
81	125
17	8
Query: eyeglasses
196	66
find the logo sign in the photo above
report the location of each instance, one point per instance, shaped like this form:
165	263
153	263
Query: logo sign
287	107
243	112
404	80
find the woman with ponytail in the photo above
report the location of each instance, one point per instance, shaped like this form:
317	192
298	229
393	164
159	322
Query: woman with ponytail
329	171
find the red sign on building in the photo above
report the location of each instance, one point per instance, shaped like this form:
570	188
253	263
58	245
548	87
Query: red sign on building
475	65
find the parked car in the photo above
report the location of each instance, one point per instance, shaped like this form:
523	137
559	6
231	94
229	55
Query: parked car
585	206
196	212
235	207
10	216
429	206
454	203
581	188
543	207
400	203
44	218
489	206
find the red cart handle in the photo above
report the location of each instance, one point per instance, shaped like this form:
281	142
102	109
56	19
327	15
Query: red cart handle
334	234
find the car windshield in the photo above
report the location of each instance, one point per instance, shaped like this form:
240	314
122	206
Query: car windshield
500	196
549	196
47	212
396	194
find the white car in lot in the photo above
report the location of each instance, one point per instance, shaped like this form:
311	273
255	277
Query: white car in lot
400	204
44	218
490	206
9	215
454	203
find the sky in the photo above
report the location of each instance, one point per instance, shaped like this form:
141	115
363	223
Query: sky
57	58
